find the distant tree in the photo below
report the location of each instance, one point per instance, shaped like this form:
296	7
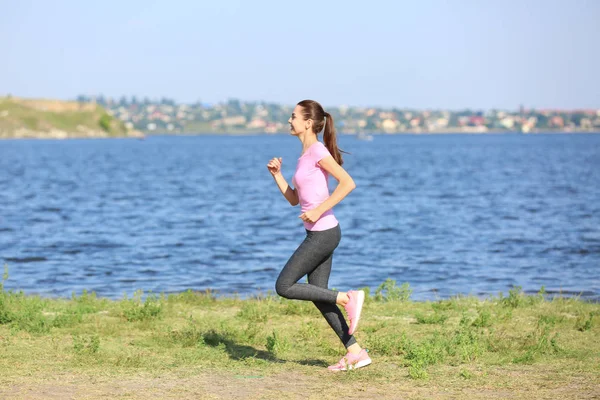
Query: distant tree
104	122
576	118
234	107
249	113
371	124
542	121
453	120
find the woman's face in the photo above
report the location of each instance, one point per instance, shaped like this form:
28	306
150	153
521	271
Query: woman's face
297	122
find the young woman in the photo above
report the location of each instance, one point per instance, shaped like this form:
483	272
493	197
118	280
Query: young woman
323	234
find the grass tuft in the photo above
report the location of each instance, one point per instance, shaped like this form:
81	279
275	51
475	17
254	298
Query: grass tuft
86	345
136	309
277	344
388	291
433	319
583	324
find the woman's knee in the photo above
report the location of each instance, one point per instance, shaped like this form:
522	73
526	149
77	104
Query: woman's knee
282	288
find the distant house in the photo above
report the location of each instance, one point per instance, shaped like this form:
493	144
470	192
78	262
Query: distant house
257	123
389	125
476	120
557	121
234	121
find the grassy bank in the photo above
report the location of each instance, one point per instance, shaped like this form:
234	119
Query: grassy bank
36	118
194	345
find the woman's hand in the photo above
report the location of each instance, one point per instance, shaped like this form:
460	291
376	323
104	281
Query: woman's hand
274	166
311	216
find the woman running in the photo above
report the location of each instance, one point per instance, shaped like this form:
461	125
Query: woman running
314	255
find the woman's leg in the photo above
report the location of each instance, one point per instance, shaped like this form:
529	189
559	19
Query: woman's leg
312	252
314	258
320	277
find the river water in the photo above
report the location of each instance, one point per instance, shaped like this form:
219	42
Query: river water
449	214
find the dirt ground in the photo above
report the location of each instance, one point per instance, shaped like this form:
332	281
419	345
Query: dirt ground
280	386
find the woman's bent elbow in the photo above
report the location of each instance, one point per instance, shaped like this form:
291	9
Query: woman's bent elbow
294	201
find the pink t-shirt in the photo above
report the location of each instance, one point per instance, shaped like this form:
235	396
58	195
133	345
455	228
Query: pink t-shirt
311	183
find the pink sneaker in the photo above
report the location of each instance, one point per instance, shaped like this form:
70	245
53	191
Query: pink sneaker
352	361
354	308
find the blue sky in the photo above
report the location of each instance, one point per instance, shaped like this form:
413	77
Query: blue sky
424	54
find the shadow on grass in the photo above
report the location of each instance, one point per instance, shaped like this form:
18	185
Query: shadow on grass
239	352
312	363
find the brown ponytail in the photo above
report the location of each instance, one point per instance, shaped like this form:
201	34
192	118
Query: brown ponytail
321	119
330	139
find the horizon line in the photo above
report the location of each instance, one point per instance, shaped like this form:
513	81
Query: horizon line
221	102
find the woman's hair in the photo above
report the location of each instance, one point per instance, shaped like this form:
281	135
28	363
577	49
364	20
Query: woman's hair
313	110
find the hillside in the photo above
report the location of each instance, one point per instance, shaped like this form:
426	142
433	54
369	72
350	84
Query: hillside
55	119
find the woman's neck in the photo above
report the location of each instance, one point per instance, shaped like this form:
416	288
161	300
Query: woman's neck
308	141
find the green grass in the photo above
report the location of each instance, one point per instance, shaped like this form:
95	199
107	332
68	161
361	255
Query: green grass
19	114
464	338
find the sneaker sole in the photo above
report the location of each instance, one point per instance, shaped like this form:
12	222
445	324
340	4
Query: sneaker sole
358	365
360	300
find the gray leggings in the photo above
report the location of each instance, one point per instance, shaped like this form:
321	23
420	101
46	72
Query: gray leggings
314	257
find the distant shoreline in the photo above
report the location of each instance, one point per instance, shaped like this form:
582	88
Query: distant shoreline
22	118
51	119
44	136
376	133
32	135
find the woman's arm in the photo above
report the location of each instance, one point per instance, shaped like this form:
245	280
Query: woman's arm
291	195
345	186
